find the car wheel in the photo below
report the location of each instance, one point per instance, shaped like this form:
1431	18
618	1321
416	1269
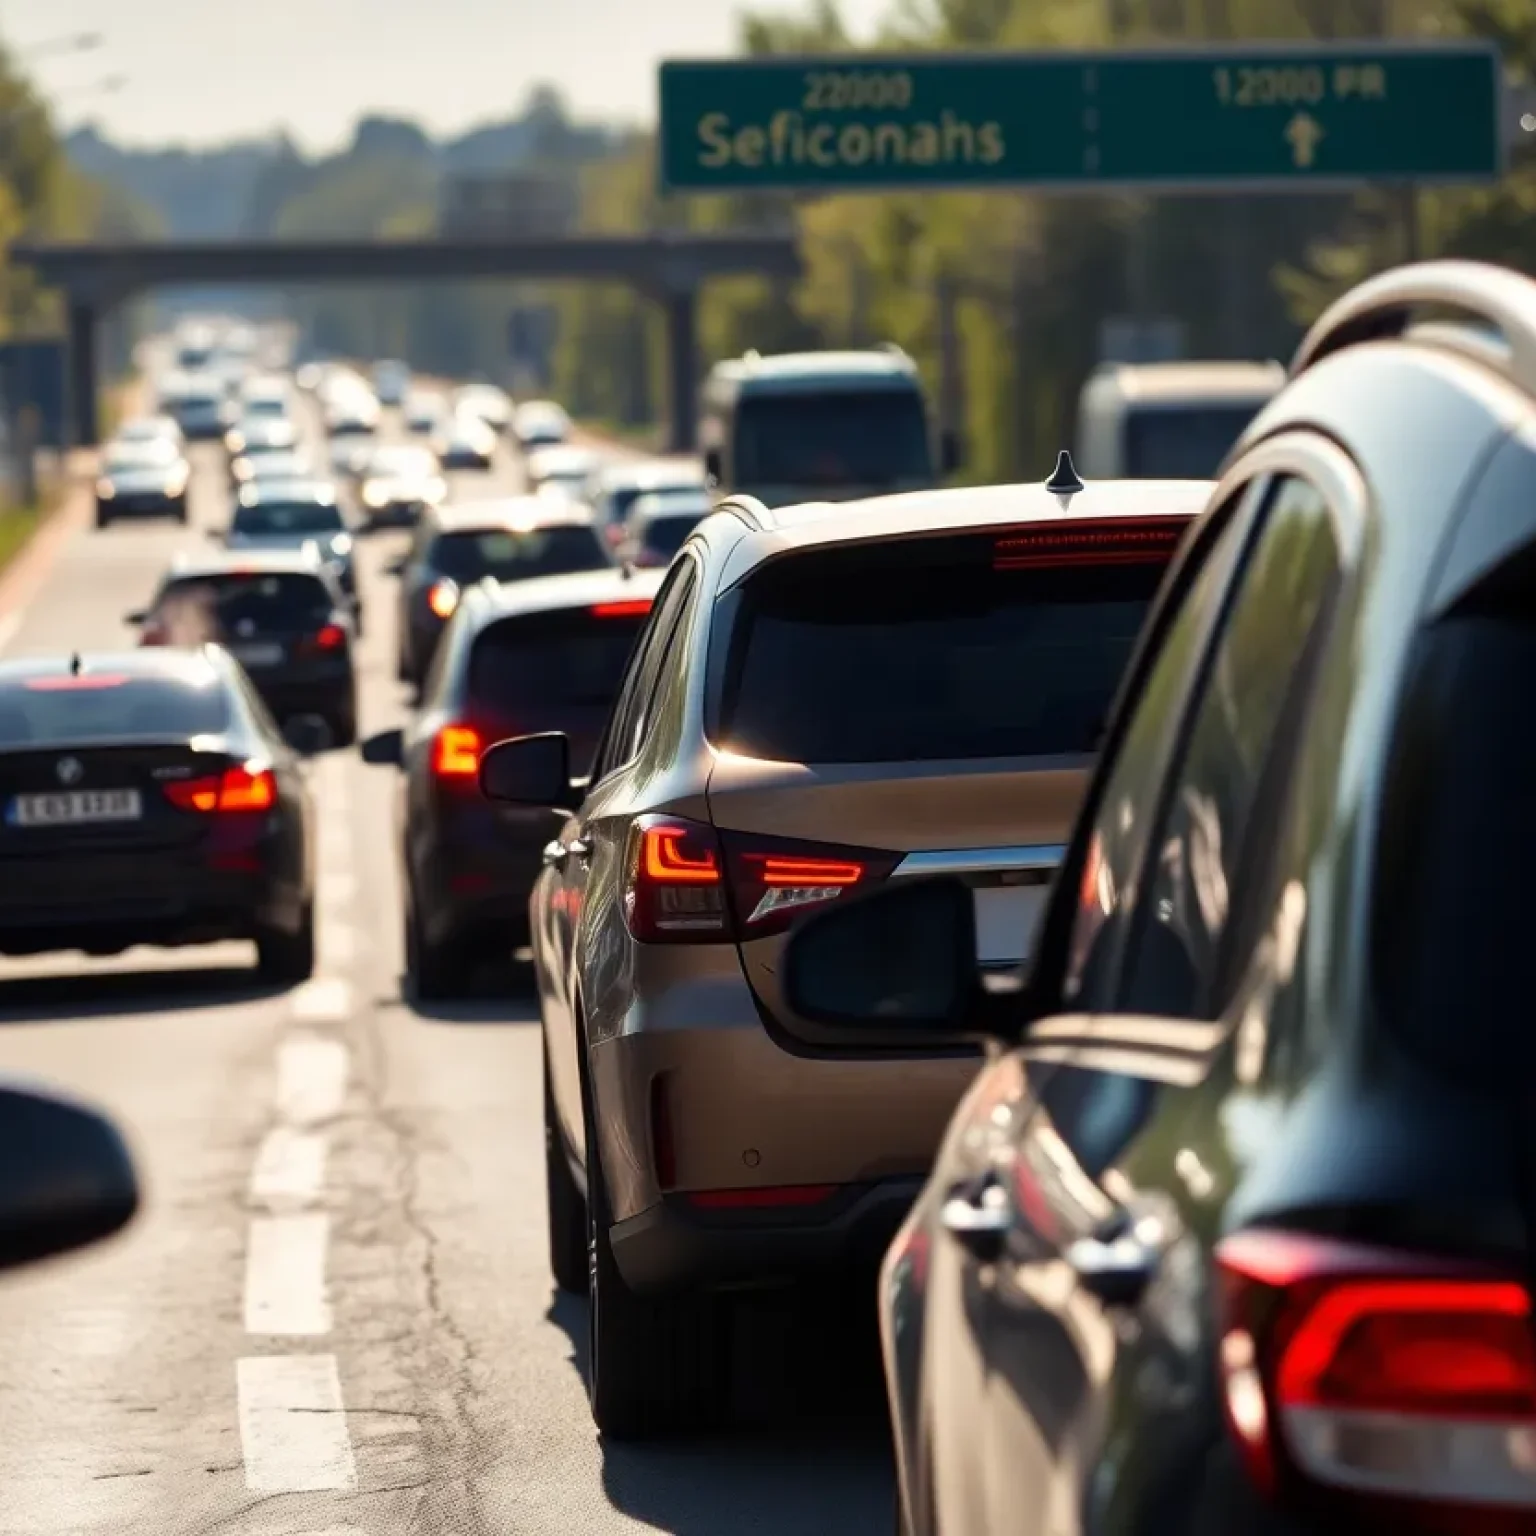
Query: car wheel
344	727
288	957
567	1207
103	517
179	511
655	1366
431	967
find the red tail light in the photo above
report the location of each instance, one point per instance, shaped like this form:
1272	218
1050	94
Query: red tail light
1107	541
630	608
689	883
456	752
236	789
1380	1377
331	638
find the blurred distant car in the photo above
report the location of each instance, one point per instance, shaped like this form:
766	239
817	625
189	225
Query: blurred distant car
142	479
561	469
202	408
464	442
487	403
282	615
260	431
617	483
423	412
350	409
310	376
459	545
391	381
265	396
150	429
149	800
278	464
297	514
398	484
540	423
659	525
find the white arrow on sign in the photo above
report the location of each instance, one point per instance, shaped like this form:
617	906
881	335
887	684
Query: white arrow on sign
1303	133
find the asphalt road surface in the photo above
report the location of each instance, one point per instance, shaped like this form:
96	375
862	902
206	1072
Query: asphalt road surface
335	1315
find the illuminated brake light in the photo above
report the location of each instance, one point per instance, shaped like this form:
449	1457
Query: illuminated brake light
456	752
241	789
675	892
83	682
773	880
1378	1375
631	608
331	638
1109	541
443	598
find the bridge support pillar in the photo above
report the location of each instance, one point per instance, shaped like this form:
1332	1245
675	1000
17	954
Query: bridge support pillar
83	377
681	306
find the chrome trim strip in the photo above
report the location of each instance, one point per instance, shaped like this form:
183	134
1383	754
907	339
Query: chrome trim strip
981	861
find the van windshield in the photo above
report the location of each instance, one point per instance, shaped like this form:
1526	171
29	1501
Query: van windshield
833	439
1183	442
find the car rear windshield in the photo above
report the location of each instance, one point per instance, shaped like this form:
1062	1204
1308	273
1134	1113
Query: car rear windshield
1451	913
108	709
282	517
469	555
622	497
930	649
847	438
277	600
520	666
666	535
1183	442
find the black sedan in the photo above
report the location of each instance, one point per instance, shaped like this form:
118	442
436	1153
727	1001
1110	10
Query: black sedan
283	616
542	655
144	801
142	479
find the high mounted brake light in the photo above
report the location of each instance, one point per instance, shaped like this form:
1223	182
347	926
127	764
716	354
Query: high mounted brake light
81	682
1107	541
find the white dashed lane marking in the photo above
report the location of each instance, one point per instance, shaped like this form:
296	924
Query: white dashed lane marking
324	998
293	1428
285	1276
290	1167
311	1079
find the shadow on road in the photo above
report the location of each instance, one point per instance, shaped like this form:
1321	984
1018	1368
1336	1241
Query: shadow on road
96	994
494	994
807	1446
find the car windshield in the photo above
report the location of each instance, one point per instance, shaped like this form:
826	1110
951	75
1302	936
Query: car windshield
521	666
200	608
921	650
666	535
833	439
400	463
469	555
295	517
115	706
1182	442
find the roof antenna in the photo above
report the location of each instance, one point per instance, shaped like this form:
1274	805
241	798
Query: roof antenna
1064	481
74	664
626	570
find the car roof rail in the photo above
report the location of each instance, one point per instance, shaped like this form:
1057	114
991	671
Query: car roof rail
1391	304
747	507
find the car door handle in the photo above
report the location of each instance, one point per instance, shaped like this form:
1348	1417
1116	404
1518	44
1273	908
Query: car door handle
580	848
1117	1270
554	855
979	1216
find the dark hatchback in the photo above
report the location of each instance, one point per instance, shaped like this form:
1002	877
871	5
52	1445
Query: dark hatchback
542	655
148	798
284	618
459	545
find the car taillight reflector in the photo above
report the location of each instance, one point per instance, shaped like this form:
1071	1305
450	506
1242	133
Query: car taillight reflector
1379	1375
1107	541
456	752
629	609
236	789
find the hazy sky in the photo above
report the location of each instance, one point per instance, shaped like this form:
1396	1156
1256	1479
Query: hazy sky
199	71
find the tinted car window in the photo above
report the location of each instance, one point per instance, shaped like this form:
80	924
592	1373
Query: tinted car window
924	650
1182	442
470	555
520	666
134	706
269	600
298	517
848	438
666	535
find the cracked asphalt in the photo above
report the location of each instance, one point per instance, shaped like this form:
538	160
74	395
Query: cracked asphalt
462	1394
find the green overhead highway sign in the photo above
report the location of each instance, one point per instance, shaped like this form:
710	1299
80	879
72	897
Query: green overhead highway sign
1273	118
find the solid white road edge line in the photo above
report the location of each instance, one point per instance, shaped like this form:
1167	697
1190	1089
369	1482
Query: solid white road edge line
311	1079
290	1167
293	1426
285	1276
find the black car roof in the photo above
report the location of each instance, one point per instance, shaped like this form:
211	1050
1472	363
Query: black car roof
489	600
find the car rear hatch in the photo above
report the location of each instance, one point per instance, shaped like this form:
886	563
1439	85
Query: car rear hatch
275	623
914	707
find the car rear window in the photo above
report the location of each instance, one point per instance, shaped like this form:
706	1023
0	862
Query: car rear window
1183	442
201	606
666	535
283	517
546	661
504	554
106	707
938	648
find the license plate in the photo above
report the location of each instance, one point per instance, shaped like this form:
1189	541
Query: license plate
75	807
259	655
1006	917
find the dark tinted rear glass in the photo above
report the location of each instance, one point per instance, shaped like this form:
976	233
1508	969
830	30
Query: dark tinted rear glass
666	535
473	554
279	517
519	667
134	707
850	438
924	650
1182	442
268	600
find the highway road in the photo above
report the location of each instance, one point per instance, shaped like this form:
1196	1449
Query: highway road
335	1314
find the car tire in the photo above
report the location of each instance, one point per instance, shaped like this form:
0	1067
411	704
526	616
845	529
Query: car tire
344	727
655	1366
287	957
103	517
434	976
567	1206
179	511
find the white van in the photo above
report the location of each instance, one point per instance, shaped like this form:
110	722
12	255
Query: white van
1167	421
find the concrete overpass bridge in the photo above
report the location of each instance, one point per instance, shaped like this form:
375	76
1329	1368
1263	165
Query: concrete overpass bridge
668	268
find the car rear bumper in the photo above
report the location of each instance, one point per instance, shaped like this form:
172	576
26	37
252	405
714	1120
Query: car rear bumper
153	504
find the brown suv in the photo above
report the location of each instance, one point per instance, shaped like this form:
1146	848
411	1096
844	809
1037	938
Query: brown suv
825	697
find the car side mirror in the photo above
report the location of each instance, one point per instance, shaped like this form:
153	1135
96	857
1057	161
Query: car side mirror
902	959
528	770
951	452
66	1178
713	468
386	750
307	734
137	617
